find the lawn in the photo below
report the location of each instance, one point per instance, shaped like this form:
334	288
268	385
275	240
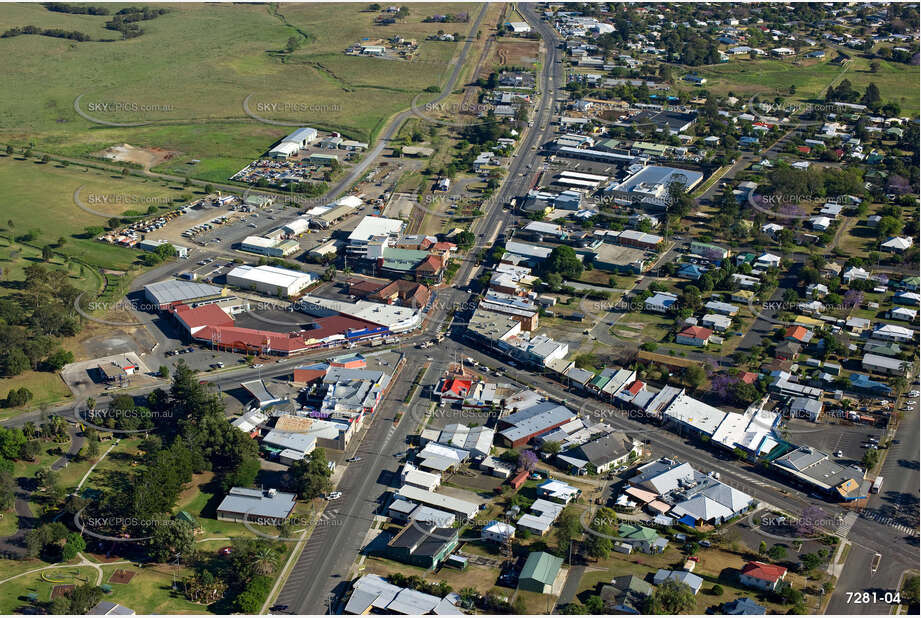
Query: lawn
744	77
474	576
198	111
150	590
40	197
13	595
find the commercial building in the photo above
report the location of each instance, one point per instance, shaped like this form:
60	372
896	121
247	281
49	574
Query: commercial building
372	594
370	227
268	506
604	453
651	185
270	247
816	469
165	293
519	428
422	545
271	280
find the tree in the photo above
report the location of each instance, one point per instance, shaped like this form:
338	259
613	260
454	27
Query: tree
870	458
169	537
310	476
164	371
910	593
777	552
527	460
564	261
292	45
695	375
671	598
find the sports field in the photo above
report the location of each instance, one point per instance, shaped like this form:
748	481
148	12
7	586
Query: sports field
198	110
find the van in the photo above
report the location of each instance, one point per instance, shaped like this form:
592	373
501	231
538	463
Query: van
681	537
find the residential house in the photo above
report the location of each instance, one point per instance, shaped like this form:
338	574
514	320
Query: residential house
695	336
762	575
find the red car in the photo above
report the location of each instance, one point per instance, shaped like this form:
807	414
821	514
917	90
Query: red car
692	558
225	551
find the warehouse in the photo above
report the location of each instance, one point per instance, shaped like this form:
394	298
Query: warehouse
269	247
270	280
164	293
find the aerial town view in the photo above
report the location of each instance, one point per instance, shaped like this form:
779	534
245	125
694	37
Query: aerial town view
457	308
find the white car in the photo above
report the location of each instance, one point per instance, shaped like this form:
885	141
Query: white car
334	495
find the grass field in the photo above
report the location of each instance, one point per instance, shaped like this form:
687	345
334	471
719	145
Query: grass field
744	77
150	590
13	595
198	111
40	196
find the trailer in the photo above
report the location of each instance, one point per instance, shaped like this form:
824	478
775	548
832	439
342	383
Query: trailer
877	485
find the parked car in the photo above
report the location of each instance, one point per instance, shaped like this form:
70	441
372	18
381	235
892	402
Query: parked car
334	495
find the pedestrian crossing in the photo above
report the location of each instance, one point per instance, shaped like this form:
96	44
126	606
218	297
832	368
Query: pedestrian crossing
845	524
888	521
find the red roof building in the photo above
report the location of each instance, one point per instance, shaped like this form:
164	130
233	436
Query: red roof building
194	319
454	388
796	333
694	335
804	149
762	575
636	387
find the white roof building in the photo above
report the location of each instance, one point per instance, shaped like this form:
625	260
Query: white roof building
270	279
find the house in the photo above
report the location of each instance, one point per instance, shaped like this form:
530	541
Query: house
745	606
422	544
603	453
897	244
695	336
660	302
690	271
855	273
498	532
903	313
626	594
540	517
787	350
806	407
694	582
641	538
540	572
557	490
891	332
767	260
373	594
762	575
885	365
715	306
798	334
719	323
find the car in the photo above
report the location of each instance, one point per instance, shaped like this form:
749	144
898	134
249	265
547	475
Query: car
278	608
190	349
353	459
914	394
225	551
694	558
705	543
334	495
257	365
839	453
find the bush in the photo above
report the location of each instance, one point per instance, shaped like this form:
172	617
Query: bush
252	598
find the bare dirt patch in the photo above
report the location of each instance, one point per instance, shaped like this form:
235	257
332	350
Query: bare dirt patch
145	157
516	53
121	576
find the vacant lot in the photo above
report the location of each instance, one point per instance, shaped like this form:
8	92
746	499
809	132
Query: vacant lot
897	82
198	111
39	197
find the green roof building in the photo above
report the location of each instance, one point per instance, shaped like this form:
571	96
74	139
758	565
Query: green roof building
540	572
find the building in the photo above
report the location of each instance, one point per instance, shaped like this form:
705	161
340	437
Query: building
609	451
271	280
626	594
497	532
110	608
173	291
884	364
269	506
519	428
660	302
368	228
744	606
694	335
540	572
891	332
270	247
460	508
762	576
816	469
557	490
372	594
540	517
694	582
422	544
650	186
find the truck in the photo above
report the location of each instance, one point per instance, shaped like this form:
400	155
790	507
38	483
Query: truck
877	485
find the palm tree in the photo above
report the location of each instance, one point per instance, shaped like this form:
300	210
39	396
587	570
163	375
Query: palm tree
265	561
